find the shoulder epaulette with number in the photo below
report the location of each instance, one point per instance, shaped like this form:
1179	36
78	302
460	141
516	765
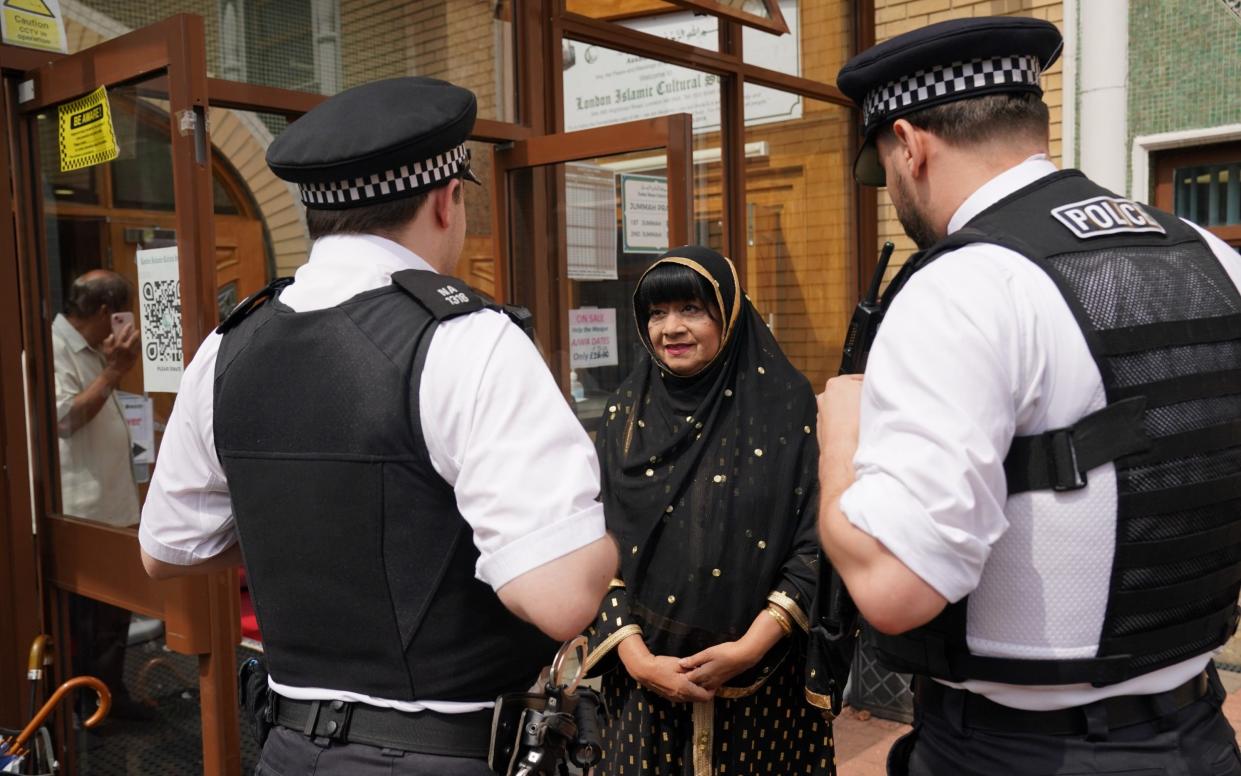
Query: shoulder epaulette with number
447	297
442	295
251	303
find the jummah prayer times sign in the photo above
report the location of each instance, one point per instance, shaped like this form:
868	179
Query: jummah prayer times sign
592	337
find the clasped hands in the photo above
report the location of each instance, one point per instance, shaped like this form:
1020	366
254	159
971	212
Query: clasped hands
692	679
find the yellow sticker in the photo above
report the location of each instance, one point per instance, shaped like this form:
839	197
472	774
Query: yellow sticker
86	134
33	24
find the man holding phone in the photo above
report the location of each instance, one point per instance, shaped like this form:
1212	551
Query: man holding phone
94	344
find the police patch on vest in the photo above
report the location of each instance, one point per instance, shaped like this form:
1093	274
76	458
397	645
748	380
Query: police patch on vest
1098	216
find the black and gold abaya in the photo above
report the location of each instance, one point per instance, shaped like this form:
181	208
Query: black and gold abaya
710	486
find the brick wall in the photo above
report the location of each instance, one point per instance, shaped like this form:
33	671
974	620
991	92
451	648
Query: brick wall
893	17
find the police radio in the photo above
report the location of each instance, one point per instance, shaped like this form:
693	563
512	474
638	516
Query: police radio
538	733
866	318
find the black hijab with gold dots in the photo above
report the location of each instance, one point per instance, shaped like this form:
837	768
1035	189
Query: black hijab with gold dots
709	480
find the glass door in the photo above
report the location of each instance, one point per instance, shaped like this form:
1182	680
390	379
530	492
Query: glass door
121	279
586	212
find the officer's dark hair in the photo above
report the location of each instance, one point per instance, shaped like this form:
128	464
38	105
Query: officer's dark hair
371	219
673	283
979	119
92	291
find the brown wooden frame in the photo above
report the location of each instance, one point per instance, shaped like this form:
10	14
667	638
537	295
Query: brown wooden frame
673	133
201	613
776	24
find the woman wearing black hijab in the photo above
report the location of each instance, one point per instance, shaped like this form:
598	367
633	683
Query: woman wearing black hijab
709	465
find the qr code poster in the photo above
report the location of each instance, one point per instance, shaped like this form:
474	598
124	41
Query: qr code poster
159	300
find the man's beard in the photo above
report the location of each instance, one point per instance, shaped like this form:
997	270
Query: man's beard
912	220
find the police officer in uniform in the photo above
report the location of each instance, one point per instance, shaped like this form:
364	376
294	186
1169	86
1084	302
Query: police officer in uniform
414	500
1033	493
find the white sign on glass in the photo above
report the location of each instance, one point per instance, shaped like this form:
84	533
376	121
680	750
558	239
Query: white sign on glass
603	86
590	222
592	337
141	421
644	205
159	305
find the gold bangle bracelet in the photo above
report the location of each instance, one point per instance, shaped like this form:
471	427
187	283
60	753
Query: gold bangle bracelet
780	618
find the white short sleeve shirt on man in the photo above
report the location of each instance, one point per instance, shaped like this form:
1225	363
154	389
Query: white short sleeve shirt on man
525	474
96	469
979	347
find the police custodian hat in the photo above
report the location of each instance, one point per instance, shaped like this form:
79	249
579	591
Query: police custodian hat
943	63
378	142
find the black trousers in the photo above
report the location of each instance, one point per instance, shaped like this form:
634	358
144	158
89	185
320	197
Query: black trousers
1195	741
289	753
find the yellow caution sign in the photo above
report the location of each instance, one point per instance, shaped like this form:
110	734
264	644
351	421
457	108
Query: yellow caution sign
87	136
33	24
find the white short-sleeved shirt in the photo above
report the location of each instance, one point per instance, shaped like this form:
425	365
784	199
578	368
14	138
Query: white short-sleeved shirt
979	347
96	469
525	474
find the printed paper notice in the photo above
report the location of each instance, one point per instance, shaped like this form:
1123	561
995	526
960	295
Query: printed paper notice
33	24
592	337
159	299
87	136
140	418
644	202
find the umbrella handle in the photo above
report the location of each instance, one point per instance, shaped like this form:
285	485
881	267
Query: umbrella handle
18	745
40	655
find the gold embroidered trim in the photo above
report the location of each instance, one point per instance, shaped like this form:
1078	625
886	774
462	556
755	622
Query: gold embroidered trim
789	605
777	614
820	701
704	738
732	693
609	644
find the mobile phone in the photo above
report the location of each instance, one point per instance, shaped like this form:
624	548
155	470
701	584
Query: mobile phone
119	320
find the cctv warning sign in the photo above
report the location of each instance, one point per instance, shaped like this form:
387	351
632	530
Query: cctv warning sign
33	24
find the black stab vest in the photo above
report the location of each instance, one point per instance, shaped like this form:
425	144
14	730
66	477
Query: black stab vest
359	563
1162	320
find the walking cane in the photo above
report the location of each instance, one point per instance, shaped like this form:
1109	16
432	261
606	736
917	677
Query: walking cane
16	747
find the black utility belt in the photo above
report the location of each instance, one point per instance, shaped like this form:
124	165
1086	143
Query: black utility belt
424	732
978	713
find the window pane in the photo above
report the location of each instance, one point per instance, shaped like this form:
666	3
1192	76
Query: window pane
603	86
1209	195
105	451
799	269
325	46
816	46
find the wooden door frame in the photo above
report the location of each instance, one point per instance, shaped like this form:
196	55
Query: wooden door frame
673	133
200	613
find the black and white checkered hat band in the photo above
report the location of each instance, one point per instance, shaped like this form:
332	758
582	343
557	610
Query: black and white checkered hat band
406	179
959	78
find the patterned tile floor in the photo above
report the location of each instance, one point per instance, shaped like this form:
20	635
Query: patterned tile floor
862	744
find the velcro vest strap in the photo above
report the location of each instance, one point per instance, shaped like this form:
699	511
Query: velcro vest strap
1167	334
1222	624
1144	554
1169	596
1203	385
1059	459
1180	497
